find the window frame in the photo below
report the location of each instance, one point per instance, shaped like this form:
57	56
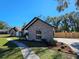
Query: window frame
38	34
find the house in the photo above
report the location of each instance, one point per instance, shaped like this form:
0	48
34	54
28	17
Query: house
15	31
4	31
38	29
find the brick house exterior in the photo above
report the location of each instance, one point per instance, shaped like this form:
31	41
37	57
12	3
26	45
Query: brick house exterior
37	30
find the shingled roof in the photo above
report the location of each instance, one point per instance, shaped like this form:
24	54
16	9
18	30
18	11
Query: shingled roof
33	21
16	29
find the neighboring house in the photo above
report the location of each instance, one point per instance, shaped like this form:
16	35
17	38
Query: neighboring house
37	30
15	31
2	31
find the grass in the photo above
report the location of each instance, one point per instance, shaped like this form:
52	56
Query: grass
4	35
10	53
35	44
3	41
45	53
9	50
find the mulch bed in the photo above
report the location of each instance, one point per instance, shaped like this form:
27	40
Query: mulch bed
61	47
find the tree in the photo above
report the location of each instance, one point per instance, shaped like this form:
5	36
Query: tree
3	25
63	4
68	22
52	20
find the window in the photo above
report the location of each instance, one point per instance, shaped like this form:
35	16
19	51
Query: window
38	35
38	32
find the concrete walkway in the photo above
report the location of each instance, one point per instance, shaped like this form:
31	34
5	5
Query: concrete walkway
26	51
73	43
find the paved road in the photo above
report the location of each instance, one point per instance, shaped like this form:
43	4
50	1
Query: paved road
73	43
26	51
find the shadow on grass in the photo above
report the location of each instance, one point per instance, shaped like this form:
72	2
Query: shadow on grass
34	43
40	51
57	56
10	44
10	53
27	43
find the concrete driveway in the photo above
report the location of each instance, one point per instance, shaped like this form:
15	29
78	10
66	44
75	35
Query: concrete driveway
73	43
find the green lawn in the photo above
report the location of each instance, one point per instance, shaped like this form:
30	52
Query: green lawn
45	53
9	50
10	53
3	41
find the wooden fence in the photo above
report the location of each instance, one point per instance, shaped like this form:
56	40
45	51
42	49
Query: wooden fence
67	35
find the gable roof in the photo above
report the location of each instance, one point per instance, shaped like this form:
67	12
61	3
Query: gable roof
15	29
33	21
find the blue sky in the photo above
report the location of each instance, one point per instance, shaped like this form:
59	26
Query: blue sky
18	12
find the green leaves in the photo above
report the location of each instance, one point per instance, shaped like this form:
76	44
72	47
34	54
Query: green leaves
3	25
62	4
67	22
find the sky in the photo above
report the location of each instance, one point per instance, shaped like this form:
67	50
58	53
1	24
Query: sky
18	12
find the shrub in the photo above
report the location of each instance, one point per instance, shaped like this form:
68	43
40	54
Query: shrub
62	47
59	49
52	42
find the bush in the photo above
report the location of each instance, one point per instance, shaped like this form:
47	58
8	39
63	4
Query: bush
52	42
59	49
62	47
